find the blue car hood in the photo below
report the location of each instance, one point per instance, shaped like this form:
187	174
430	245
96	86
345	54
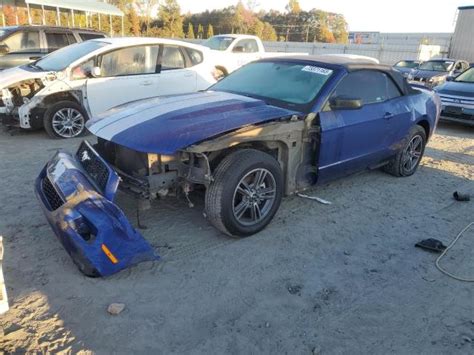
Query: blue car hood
456	89
164	125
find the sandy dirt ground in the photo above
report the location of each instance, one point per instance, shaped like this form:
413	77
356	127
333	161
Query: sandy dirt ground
337	279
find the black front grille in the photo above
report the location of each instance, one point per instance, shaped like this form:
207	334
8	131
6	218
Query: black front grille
55	201
93	165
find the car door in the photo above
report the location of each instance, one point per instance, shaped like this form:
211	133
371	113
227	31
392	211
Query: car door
353	139
175	77
126	74
21	47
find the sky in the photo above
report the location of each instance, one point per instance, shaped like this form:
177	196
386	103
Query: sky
364	15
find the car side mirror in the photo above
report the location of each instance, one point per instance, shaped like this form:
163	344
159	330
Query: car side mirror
238	49
4	49
158	68
450	78
345	103
94	72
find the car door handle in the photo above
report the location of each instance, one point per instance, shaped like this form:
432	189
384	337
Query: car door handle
388	115
35	58
146	83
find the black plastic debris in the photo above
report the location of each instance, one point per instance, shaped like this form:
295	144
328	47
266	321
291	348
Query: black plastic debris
458	196
433	245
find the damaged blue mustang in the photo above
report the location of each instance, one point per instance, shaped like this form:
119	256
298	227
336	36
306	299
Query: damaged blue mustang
275	127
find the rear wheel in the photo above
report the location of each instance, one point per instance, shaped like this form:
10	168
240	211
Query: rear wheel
65	119
245	194
408	158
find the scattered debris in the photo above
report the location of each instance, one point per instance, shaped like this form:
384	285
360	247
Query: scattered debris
458	196
295	290
267	325
316	350
3	289
347	253
315	198
466	339
116	308
431	244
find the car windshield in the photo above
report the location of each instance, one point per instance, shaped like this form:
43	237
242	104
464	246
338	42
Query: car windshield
287	84
407	64
219	43
62	58
466	77
437	65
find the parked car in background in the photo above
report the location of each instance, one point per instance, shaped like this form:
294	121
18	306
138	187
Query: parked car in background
62	90
457	97
231	51
272	128
24	44
407	66
435	71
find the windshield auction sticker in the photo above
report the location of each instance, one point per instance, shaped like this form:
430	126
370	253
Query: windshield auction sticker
317	70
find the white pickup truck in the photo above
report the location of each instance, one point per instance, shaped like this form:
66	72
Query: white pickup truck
231	51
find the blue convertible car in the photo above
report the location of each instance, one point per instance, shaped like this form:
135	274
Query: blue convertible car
274	127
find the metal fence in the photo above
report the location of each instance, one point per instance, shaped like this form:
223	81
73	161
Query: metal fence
391	48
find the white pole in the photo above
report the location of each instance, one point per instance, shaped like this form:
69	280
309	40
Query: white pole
111	30
72	15
43	18
29	15
100	26
58	16
123	33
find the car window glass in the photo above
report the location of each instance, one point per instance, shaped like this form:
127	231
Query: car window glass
71	38
23	42
369	86
130	61
57	40
87	36
81	71
195	56
247	46
172	58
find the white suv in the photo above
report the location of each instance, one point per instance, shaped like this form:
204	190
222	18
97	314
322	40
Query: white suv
62	90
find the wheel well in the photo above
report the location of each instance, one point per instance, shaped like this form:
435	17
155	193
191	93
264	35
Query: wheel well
426	127
217	156
61	96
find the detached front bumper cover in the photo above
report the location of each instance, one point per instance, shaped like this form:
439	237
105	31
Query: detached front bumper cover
76	195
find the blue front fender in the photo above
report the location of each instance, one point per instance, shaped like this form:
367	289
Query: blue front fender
77	202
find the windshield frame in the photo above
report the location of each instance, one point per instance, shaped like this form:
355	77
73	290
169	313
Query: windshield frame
59	52
412	64
304	108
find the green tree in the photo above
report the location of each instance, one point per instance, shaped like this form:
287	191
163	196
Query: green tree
200	32
268	33
134	21
170	20
190	33
210	31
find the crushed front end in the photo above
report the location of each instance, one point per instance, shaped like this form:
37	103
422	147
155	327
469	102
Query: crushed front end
76	194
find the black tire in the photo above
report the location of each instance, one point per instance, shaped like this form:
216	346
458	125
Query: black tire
398	165
221	195
62	106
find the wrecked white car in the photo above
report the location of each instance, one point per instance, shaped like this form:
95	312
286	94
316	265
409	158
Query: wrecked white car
62	90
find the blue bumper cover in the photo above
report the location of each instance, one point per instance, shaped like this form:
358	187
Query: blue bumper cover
76	194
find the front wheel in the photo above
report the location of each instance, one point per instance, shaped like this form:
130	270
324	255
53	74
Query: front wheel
65	119
245	194
409	157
